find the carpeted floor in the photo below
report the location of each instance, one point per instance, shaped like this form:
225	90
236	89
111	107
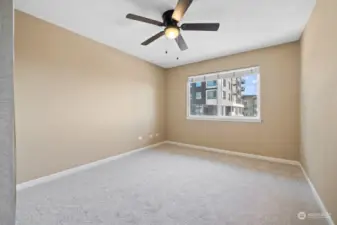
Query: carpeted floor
172	185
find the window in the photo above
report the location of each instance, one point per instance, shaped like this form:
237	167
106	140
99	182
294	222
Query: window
198	95
211	94
228	95
211	84
224	95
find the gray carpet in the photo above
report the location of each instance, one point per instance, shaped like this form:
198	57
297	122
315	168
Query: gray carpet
172	185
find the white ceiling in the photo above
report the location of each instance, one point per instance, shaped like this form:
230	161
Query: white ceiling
245	25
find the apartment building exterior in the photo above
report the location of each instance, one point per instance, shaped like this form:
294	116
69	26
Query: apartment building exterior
204	98
205	101
250	105
231	103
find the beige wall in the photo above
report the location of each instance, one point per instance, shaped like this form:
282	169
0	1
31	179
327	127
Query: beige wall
78	101
276	136
319	102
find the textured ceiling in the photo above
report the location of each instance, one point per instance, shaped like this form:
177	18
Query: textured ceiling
245	25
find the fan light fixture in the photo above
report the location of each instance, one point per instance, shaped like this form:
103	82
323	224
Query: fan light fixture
172	32
171	23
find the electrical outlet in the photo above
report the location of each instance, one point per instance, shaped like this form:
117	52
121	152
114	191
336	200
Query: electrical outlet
140	138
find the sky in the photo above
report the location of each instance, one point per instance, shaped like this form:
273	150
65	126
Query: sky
250	85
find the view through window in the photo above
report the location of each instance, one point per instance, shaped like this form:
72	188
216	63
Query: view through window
225	95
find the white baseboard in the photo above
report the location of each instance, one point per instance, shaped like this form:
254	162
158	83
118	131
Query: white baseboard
318	199
77	169
271	159
247	155
68	172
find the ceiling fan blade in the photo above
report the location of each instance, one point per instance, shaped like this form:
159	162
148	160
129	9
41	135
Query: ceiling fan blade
153	38
181	9
200	26
181	43
144	19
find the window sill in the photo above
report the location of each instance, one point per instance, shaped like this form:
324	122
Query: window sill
235	119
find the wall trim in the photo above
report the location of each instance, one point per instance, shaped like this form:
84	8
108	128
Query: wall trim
247	155
317	198
84	167
265	158
64	173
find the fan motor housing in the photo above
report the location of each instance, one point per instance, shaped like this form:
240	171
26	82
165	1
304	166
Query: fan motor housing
168	20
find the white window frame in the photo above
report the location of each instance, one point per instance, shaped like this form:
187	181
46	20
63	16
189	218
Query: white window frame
231	74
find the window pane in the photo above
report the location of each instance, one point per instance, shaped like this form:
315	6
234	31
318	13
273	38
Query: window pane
242	97
249	95
237	97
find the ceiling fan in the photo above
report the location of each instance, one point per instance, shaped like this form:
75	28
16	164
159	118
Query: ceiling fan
171	18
